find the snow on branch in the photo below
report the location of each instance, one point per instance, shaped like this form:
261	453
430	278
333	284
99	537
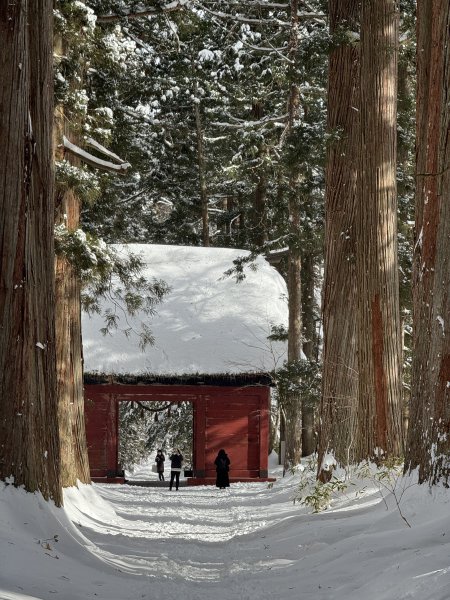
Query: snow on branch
94	161
309	14
180	4
241	19
91	142
147	12
241	124
251	21
275	256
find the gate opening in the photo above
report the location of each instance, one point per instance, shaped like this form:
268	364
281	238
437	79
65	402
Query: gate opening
146	426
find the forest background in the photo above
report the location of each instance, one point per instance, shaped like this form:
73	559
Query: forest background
313	132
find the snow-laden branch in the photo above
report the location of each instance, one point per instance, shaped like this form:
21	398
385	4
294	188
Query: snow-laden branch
240	18
275	256
94	161
309	14
250	21
94	144
241	124
268	5
147	12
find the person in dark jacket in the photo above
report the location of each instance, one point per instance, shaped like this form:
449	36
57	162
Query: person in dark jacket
222	463
159	459
176	458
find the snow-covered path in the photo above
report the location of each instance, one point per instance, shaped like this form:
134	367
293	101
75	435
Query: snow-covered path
251	542
202	535
247	543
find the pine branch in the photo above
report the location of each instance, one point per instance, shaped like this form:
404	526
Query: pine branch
240	19
148	12
304	16
241	124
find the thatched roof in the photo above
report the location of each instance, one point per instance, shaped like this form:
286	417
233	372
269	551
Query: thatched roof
208	325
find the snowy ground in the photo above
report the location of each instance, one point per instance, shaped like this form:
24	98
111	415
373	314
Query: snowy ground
247	543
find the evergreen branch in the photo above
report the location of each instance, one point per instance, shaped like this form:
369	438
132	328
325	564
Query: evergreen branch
269	5
238	124
131	198
258	4
148	12
240	19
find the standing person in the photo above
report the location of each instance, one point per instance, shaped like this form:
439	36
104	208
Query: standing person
222	463
176	458
159	459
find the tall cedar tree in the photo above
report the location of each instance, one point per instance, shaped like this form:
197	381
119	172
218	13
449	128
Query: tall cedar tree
340	381
293	412
379	339
428	445
29	451
73	446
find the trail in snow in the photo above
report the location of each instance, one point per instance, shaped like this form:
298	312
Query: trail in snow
246	543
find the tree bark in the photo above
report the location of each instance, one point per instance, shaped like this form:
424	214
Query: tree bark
29	451
202	173
293	400
260	211
379	336
428	447
309	349
69	351
339	378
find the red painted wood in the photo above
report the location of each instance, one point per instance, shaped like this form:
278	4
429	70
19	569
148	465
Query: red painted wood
101	433
199	426
233	418
264	416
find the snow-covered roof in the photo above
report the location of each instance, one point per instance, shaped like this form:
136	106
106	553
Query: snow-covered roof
206	324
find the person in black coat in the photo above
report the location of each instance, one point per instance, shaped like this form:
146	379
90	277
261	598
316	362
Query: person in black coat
222	463
159	459
176	458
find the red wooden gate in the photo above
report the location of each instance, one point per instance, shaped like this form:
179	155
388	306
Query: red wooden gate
229	417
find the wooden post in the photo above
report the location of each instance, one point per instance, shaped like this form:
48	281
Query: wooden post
199	437
264	432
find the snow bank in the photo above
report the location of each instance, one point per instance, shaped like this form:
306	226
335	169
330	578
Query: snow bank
250	542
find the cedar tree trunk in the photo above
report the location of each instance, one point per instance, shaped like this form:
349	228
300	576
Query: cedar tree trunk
428	445
293	400
69	351
29	450
340	380
379	335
